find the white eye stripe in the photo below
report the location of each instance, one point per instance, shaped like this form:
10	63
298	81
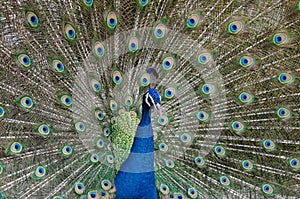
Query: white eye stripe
146	100
152	100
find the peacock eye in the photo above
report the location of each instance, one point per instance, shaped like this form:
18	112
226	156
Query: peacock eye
285	78
66	150
204	58
145	79
70	32
280	39
106	185
185	138
39	172
200	161
79	127
143	3
220	151
93	194
192	193
237	127
160	31
94	158
99	49
170	93
163	147
58	66
235	27
79	188
224	181
106	131
245	97
24	60
203	116
2	112
15	148
283	113
269	145
295	164
170	163
163	120
133	44
99	114
247	165
88	3
110	159
208	89
193	21
95	85
117	77
26	102
113	105
32	19
100	143
111	20
267	189
128	101
43	130
66	100
168	63
164	189
246	61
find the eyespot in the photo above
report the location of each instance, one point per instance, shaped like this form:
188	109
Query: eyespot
58	66
2	112
246	98
295	163
170	163
40	172
203	116
32	19
24	60
113	105
100	143
88	3
200	161
285	78
204	58
93	195
163	120
269	145
164	189
133	44
280	39
99	115
70	32
43	130
237	127
110	159
94	158
160	31
117	77
145	79
192	192
193	21
267	189
80	127
246	61
224	181
111	20
15	148
235	27
66	100
179	196
128	101
95	85
1	170
208	89
220	151
185	138
163	147
99	49
143	3
106	185
106	131
171	195
168	63
283	113
79	188
67	150
169	93
247	165
26	102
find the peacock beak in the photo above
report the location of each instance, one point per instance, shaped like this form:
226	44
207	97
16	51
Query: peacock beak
158	109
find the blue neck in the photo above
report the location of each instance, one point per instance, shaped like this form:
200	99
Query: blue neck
146	116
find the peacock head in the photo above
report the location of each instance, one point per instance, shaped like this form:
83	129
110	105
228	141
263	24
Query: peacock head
152	99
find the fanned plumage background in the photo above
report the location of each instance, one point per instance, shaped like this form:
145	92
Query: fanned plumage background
229	79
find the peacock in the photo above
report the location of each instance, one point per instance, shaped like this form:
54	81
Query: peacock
149	99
